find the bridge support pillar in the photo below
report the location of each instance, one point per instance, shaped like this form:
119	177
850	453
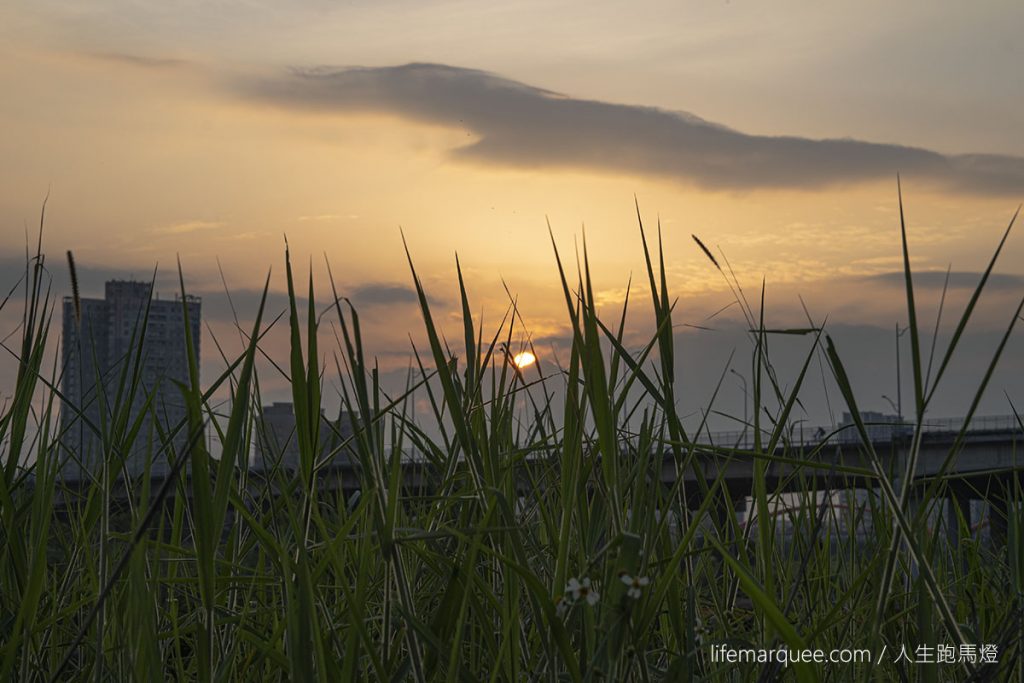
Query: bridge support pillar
723	510
998	511
729	507
1001	495
958	506
739	505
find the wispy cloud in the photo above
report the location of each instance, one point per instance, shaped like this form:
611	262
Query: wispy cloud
185	227
327	217
519	125
138	61
368	298
383	294
958	279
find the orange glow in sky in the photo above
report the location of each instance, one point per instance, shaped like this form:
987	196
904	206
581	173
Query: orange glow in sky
210	132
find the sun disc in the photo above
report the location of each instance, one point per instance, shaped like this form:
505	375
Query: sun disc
524	359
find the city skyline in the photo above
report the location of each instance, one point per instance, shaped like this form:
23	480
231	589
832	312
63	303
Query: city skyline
180	138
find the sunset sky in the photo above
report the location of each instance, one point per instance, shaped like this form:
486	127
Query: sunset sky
773	131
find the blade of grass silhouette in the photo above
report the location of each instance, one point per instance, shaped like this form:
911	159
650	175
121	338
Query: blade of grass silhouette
899	517
969	309
961	435
935	332
194	438
915	343
761	597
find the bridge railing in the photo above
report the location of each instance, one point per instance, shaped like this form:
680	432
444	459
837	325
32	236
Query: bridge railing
802	435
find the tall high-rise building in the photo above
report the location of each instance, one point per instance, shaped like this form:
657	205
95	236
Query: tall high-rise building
102	362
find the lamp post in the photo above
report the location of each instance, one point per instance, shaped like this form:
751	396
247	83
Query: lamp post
899	382
898	429
745	399
746	424
792	430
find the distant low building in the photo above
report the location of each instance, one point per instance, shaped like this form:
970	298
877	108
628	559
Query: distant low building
278	447
101	361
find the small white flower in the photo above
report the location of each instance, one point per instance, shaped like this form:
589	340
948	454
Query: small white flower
581	590
635	583
561	606
699	631
574	588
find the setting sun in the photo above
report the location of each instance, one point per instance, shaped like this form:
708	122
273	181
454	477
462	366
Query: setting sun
524	359
335	222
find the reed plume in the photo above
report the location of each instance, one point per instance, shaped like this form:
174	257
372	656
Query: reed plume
707	252
74	288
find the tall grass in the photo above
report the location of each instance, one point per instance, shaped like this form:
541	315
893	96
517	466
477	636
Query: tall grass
523	509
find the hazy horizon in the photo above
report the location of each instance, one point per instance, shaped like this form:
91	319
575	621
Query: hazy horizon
774	134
